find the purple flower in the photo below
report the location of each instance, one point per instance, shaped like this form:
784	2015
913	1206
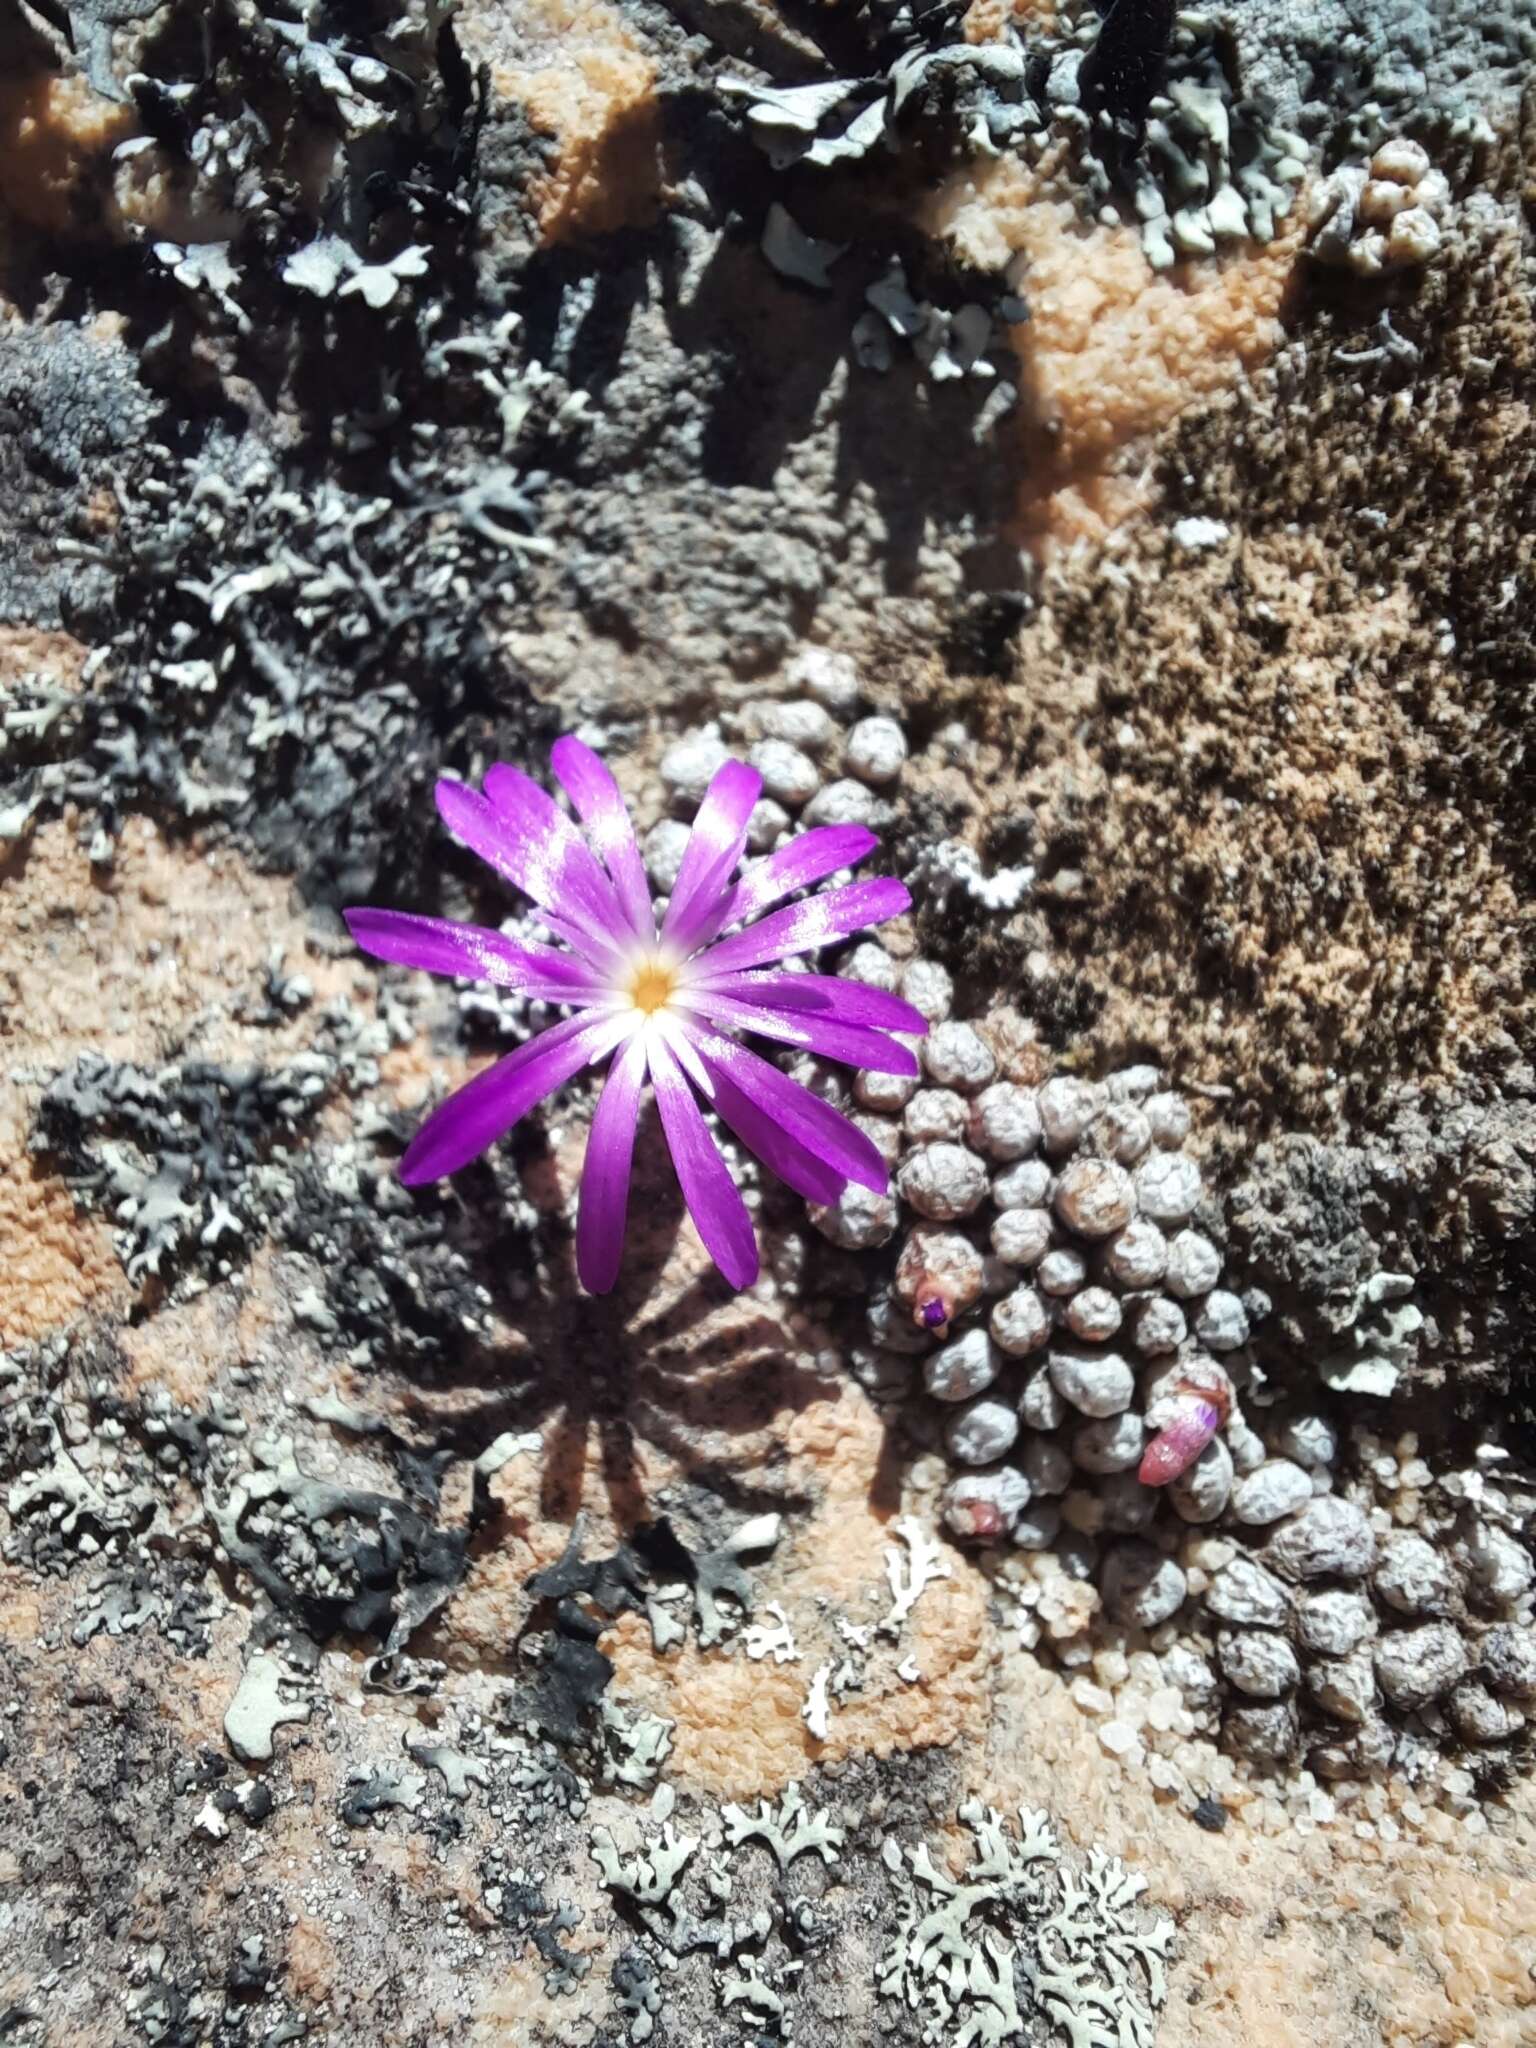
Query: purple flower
665	1006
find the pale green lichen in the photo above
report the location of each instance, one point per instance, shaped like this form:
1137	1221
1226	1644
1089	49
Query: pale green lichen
457	1771
1094	1956
648	1876
817	1708
777	1642
368	1792
1089	1968
752	1990
258	1709
908	1575
1021	1945
765	1948
635	1745
638	1992
790	1828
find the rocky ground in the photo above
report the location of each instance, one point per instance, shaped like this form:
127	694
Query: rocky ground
1096	451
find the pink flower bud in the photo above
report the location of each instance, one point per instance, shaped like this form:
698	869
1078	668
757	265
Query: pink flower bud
1174	1449
982	1519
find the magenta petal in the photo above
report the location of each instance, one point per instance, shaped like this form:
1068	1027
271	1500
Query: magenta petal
808	859
588	781
594	948
483	1109
816	1124
439	946
579	885
715	845
605	1174
527	839
796	1163
801	926
854	1044
713	1198
687	1055
826	995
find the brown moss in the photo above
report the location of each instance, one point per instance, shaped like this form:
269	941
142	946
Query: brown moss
1284	772
22	1606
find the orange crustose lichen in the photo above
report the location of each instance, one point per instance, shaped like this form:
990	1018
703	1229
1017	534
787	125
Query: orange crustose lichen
585	82
1113	351
54	129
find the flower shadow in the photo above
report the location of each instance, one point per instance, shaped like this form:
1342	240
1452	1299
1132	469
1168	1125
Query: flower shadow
673	1380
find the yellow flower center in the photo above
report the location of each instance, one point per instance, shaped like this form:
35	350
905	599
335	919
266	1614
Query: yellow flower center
653	986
